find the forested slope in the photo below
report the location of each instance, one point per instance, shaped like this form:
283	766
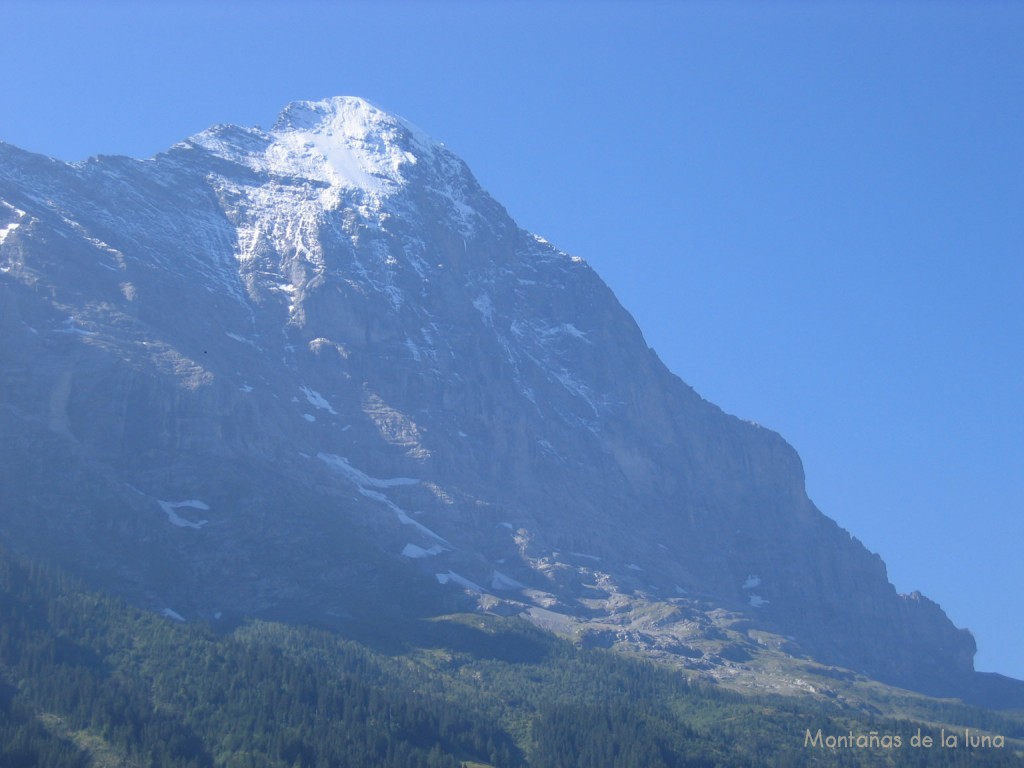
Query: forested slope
86	680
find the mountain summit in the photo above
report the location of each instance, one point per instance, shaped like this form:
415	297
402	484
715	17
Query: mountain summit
346	142
317	373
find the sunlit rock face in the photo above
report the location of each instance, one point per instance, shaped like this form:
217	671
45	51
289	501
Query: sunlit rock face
318	373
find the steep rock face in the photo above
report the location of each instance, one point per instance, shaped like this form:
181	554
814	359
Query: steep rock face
318	372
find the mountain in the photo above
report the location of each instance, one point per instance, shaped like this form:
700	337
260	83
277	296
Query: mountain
318	374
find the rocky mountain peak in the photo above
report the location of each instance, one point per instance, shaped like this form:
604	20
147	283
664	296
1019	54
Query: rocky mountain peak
345	116
339	168
319	372
346	142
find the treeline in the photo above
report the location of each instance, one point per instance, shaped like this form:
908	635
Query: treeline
83	674
163	694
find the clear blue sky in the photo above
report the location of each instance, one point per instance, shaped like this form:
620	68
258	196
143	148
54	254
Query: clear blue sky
814	210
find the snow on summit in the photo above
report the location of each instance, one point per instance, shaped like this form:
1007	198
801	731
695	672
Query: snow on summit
346	142
343	141
341	163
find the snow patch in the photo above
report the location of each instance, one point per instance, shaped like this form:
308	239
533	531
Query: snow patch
572	330
317	400
564	329
364	483
175	519
752	581
415	552
403	516
484	306
9	228
5	231
359	477
71	326
501	581
241	339
453	578
309	417
756	601
170	614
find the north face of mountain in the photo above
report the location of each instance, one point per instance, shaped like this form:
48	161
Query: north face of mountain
318	373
